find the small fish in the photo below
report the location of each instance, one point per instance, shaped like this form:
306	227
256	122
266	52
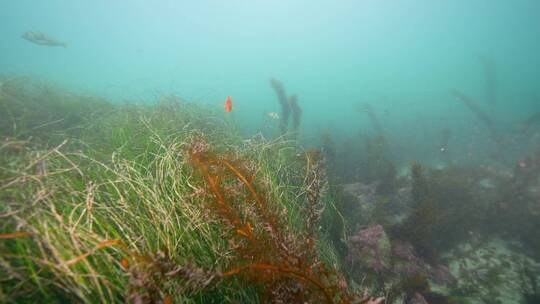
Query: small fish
273	115
228	104
42	39
168	300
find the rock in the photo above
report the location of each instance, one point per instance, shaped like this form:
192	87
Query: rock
492	270
371	248
365	194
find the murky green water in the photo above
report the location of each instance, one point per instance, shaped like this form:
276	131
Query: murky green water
451	85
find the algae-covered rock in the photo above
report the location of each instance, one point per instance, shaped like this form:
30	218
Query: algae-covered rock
372	247
492	272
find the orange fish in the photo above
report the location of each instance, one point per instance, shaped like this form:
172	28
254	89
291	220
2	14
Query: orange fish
228	104
168	300
125	263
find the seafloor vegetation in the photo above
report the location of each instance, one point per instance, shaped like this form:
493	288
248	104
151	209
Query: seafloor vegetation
166	203
156	204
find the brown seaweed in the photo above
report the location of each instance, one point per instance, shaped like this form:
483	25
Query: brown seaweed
296	112
289	105
515	212
286	266
445	210
373	118
479	113
284	103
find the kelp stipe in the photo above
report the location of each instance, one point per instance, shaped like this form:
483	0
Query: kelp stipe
480	114
373	118
283	102
296	112
289	106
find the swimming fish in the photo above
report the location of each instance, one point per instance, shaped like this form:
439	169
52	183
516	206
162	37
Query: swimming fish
42	39
228	104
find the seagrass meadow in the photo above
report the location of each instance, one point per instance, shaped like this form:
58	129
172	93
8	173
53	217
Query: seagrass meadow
161	203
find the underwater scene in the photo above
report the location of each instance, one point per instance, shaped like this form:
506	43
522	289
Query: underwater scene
267	151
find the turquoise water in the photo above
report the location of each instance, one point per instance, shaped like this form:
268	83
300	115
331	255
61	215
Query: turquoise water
401	56
404	58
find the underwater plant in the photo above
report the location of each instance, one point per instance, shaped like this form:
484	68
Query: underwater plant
149	276
29	108
103	225
445	211
283	102
377	167
530	288
383	261
286	266
289	105
489	271
371	247
296	112
328	148
482	116
132	206
516	210
374	119
349	161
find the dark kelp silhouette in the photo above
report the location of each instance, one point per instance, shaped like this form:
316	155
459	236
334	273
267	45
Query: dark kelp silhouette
373	118
289	105
296	112
485	119
283	102
478	112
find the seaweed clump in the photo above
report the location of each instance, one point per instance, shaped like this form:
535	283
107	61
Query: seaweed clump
377	167
32	109
480	114
516	211
151	275
445	211
112	213
268	253
374	119
530	288
296	112
289	105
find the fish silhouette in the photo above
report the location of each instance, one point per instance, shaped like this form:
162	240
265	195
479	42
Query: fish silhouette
228	104
43	39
